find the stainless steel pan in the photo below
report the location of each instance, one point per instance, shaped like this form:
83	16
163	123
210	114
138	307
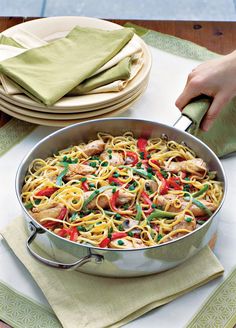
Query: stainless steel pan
66	254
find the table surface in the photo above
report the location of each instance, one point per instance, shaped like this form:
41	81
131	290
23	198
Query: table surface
216	36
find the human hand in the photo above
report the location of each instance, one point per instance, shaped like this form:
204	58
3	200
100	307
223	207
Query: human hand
215	78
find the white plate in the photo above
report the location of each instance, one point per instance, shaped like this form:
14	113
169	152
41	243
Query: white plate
53	27
61	123
52	116
59	110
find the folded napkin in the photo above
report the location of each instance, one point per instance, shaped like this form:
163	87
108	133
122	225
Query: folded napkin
82	300
118	85
50	71
120	71
9	41
221	137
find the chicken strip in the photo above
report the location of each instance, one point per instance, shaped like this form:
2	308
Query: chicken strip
50	211
151	185
114	158
103	199
195	166
187	223
135	243
76	171
197	211
94	148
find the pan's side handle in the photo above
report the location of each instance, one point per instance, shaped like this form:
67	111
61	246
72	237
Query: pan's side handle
66	266
183	123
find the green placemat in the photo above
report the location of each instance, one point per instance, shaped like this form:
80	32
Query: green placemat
13	132
219	311
20	311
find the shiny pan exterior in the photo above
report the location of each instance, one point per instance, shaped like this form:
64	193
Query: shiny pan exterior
58	252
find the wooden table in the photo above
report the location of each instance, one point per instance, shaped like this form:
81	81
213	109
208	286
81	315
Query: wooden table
216	36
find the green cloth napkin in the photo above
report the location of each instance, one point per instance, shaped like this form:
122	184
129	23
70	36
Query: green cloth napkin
82	300
221	137
120	71
9	41
51	71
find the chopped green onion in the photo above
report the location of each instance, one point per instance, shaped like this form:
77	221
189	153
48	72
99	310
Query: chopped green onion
109	151
139	212
201	191
159	237
94	194
200	205
74	216
130	233
62	174
80	228
117	216
160	214
116	175
83	179
120	242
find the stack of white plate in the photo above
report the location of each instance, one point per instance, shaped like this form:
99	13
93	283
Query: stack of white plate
69	110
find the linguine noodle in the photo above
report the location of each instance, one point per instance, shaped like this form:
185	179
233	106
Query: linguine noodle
121	192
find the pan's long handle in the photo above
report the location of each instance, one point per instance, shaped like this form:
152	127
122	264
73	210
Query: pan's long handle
183	123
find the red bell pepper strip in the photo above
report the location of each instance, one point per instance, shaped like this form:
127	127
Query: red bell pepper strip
62	232
174	183
117	235
164	185
155	162
85	186
46	191
142	144
133	156
104	242
73	234
49	224
148	201
113	201
115	180
62	213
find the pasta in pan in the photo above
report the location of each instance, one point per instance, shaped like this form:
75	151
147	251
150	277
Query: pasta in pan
121	192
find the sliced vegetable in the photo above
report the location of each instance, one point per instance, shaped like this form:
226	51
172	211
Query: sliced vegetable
133	156
113	201
199	204
139	212
104	242
62	174
160	214
46	191
148	201
73	233
117	235
62	213
94	194
201	191
164	184
174	182
62	232
115	180
85	186
142	144
140	172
